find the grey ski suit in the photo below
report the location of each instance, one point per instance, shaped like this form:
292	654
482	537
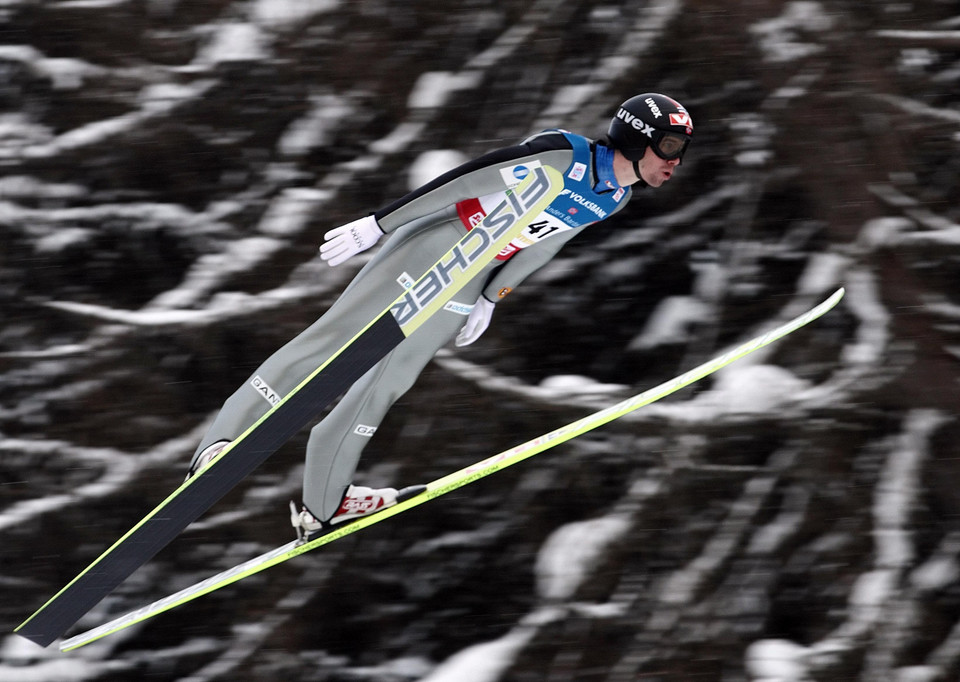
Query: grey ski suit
421	226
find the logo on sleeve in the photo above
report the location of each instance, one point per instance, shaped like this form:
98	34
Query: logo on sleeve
405	280
458	308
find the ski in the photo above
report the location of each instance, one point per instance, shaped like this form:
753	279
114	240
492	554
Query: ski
400	319
455	480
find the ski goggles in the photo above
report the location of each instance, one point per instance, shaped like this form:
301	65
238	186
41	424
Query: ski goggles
669	146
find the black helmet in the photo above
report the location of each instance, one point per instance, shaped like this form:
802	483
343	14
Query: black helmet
651	120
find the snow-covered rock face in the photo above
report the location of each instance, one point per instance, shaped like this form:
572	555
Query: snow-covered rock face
167	169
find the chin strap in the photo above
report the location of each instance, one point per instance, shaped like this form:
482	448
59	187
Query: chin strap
636	169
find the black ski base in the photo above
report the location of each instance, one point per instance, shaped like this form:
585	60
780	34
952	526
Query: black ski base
143	542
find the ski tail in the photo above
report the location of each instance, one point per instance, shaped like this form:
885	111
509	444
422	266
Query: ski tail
400	319
458	479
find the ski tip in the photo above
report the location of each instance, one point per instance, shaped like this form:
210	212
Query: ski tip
829	302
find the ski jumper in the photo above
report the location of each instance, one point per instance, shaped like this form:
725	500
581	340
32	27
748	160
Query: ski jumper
422	226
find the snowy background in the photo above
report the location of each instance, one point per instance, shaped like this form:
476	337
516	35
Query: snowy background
167	169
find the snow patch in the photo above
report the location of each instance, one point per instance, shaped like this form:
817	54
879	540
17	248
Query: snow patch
947	235
873	333
290	213
62	239
156	100
824	271
572	552
671	322
17	132
779	38
871	591
62	72
488	661
482	662
279	14
754	159
936	574
315	128
161	97
206	274
75	670
91	4
942	569
395	141
570	99
565	385
899	488
772	536
234	42
407	668
27	187
434	88
919	673
776	660
433	164
751	389
881	232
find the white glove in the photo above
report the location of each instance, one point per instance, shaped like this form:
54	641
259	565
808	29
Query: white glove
348	240
477	322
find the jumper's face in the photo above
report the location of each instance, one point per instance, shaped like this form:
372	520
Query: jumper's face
654	170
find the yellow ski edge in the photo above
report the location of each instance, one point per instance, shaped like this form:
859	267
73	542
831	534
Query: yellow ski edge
458	479
554	183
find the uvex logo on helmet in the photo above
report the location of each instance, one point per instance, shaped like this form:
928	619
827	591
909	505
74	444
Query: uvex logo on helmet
634	122
654	109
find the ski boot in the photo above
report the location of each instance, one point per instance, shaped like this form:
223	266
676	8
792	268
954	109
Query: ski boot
357	502
208	455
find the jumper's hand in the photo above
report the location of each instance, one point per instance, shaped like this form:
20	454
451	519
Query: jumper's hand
477	322
348	240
